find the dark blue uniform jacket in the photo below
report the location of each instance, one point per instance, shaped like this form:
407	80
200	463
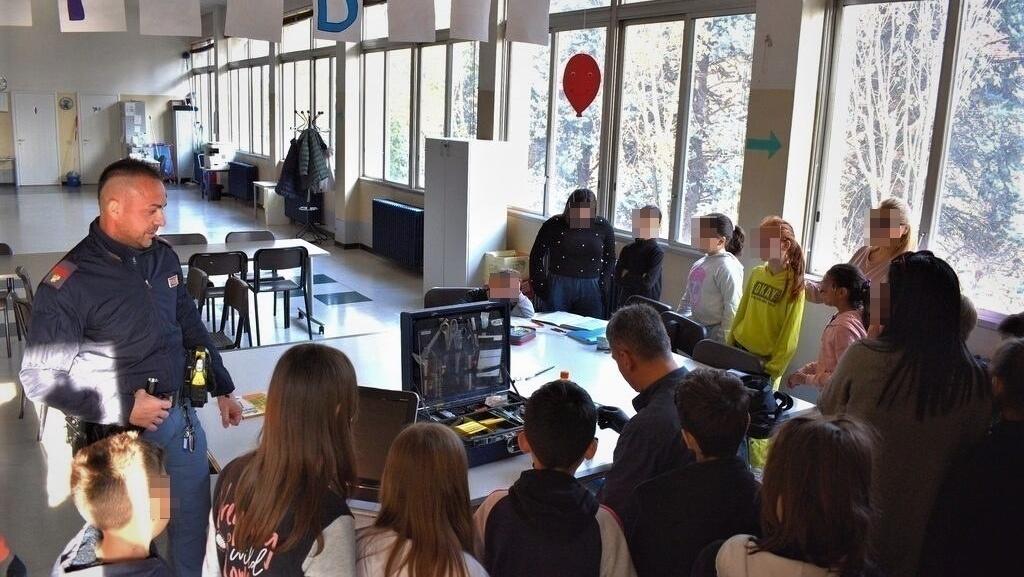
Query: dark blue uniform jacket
104	320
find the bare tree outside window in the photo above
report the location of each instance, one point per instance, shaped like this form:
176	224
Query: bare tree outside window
886	85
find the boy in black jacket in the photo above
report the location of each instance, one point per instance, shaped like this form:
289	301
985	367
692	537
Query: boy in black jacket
716	497
638	268
547	523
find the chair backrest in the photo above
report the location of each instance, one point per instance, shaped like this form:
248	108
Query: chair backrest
656	305
5	250
236	297
444	296
249	235
26	283
684	332
23	312
183	239
280	258
196	284
220	263
722	356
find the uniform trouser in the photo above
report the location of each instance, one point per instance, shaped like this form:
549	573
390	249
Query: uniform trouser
581	296
190	491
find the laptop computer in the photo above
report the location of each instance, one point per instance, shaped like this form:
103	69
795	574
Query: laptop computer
382	416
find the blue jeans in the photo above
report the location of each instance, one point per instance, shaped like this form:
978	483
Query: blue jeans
582	296
190	491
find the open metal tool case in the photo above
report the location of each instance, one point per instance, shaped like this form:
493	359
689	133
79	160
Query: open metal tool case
457	359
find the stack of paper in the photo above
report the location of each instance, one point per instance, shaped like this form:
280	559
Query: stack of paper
570	321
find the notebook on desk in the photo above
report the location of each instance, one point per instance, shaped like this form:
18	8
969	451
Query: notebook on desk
570	321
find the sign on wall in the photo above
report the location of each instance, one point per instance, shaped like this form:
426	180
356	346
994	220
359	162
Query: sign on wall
411	21
337	20
528	21
255	19
170	18
16	13
92	15
471	20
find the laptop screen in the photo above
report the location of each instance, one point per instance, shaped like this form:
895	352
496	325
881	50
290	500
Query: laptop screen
382	415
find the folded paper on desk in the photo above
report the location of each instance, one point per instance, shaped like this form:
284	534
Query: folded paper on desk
253	405
570	321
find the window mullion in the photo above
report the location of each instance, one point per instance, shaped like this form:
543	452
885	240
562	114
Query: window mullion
549	153
682	133
448	88
416	62
932	202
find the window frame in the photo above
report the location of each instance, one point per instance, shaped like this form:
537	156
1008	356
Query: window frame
616	18
287	122
941	132
383	45
207	115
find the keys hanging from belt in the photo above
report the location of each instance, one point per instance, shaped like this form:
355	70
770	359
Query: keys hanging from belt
188	438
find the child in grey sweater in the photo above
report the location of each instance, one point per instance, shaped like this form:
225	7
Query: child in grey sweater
715	283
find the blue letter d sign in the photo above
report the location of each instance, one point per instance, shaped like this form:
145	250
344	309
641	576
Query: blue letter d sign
324	24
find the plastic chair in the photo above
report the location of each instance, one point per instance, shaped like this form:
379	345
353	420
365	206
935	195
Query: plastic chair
277	259
656	305
184	239
249	236
236	299
219	264
722	356
23	315
444	296
5	296
685	333
197	285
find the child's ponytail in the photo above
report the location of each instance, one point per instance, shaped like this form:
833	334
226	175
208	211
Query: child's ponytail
735	244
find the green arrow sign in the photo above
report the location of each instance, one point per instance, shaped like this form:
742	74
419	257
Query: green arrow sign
771	145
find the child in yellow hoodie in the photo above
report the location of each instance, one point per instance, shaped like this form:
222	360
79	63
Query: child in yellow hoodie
767	322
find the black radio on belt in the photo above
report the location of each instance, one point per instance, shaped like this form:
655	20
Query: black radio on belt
199	380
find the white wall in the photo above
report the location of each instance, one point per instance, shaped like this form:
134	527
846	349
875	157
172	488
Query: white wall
42	58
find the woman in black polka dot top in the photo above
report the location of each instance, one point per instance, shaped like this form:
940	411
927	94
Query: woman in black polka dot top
573	259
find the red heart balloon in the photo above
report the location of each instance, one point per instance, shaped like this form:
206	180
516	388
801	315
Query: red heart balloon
581	81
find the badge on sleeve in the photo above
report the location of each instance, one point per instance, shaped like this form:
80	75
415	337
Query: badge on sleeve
59	274
172	281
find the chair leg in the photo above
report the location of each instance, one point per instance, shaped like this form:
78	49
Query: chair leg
7	330
256	311
275	304
21	411
42	421
287	309
309	314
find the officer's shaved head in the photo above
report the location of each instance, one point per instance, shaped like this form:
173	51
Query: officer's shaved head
132	200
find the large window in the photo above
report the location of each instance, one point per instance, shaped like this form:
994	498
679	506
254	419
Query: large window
564	149
965	184
679	112
445	105
249	95
204	88
249	89
306	83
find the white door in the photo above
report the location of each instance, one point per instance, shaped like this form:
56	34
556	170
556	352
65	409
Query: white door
35	138
100	130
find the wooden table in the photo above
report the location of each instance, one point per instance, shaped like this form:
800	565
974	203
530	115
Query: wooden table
376	358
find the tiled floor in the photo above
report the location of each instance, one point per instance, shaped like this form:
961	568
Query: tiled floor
35	514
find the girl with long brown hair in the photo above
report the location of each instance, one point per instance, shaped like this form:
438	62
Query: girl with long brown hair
424	528
816	506
281	509
767	322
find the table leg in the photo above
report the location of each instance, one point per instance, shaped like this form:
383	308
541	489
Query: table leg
309	291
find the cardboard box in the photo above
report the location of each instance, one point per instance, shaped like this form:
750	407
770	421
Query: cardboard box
501	259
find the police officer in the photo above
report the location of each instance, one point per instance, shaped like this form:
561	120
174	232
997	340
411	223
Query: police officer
112	314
